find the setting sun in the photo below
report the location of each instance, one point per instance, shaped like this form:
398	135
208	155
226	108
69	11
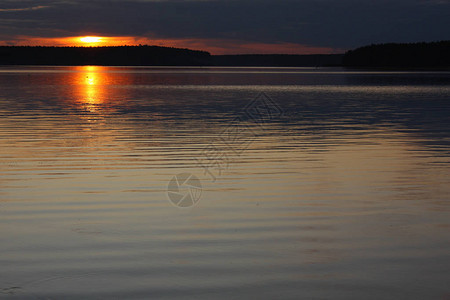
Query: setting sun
91	39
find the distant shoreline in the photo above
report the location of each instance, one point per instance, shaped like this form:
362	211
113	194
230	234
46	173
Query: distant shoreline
154	56
433	56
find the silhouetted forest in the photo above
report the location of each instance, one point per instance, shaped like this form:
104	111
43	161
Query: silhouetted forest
151	56
416	55
111	56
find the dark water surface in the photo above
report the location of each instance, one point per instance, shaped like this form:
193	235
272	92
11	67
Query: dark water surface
343	195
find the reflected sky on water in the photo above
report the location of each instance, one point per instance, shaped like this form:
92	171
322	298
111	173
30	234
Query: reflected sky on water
344	196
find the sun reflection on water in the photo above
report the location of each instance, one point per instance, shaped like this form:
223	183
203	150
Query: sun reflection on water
92	88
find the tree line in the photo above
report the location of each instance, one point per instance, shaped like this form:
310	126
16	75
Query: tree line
112	56
144	55
392	55
395	55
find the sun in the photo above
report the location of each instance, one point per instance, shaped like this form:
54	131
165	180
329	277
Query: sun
91	39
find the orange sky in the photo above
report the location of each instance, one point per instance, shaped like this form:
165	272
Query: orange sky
214	46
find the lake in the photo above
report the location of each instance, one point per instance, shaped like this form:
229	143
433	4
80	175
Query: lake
224	183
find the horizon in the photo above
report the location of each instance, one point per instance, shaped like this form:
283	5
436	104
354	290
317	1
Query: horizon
87	46
390	55
101	41
117	41
92	42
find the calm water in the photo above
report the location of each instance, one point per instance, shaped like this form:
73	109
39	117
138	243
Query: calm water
341	193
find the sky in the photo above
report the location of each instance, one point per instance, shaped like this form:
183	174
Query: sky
226	26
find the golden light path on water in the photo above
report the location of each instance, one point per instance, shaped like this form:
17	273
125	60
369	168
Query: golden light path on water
93	87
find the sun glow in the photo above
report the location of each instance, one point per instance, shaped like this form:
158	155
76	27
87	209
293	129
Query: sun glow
91	39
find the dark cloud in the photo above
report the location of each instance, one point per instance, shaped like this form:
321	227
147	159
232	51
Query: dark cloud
323	23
